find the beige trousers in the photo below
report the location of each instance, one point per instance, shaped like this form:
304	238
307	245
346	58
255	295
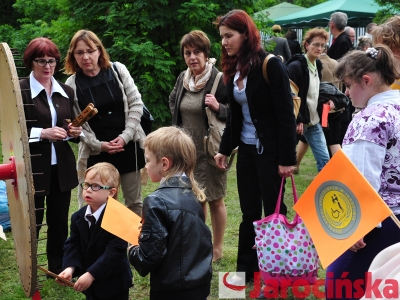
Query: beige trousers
132	191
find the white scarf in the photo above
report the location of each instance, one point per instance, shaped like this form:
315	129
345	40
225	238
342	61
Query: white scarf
197	83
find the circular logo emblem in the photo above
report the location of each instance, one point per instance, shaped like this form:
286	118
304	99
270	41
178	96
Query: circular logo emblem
338	209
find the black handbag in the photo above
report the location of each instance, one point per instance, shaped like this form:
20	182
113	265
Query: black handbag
147	119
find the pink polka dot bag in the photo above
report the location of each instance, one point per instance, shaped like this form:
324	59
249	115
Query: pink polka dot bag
285	250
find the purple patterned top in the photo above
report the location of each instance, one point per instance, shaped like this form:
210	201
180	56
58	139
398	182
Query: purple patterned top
380	124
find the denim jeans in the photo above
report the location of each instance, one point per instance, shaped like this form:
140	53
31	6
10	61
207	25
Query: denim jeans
316	140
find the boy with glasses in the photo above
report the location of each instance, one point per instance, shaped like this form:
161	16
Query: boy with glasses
95	255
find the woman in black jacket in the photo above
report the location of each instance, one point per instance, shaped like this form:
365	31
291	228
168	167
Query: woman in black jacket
305	71
261	122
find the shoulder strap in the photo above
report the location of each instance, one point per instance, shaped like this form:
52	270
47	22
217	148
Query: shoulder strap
264	67
294	85
216	82
116	70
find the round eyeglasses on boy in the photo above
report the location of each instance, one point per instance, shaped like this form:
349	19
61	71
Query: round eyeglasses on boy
95	186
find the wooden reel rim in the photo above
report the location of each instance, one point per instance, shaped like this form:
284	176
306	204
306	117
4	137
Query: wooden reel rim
15	143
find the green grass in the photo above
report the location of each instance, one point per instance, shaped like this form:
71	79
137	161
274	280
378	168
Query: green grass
10	287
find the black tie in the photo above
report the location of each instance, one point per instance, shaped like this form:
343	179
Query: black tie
92	220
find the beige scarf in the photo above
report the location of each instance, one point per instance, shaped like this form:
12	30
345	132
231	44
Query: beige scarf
197	83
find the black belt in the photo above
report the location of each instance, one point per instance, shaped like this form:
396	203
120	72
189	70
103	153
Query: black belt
46	141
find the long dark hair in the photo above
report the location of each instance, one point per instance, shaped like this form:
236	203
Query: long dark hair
240	21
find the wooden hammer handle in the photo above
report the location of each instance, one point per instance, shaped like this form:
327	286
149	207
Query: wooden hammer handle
66	281
89	112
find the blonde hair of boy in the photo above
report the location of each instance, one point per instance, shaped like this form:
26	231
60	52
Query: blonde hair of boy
109	175
175	144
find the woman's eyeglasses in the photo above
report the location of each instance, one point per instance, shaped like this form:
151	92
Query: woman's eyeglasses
88	52
42	62
316	45
94	186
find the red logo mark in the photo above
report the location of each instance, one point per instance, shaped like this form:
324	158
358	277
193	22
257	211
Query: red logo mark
232	286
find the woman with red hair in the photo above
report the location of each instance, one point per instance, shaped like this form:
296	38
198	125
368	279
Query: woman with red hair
47	104
261	123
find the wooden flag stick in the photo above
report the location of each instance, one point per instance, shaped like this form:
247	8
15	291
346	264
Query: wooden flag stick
70	283
394	218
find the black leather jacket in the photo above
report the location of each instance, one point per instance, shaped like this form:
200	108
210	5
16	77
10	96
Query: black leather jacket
175	243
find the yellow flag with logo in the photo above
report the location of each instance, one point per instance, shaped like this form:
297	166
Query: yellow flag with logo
339	208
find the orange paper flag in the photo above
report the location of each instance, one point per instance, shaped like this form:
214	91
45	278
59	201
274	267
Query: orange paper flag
121	221
339	208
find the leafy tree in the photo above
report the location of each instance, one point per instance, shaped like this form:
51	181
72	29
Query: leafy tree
142	34
8	14
148	40
308	3
388	9
263	4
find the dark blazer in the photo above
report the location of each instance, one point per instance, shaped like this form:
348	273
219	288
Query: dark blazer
102	254
340	47
175	98
271	111
37	114
281	47
175	243
299	73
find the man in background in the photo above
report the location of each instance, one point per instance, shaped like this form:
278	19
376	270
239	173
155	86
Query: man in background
341	42
281	44
351	34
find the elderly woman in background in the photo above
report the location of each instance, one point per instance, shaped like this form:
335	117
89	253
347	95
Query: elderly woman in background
114	135
363	43
48	103
187	103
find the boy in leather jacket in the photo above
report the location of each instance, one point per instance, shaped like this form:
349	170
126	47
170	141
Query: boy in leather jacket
175	243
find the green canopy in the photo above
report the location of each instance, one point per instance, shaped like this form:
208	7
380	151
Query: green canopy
359	12
280	10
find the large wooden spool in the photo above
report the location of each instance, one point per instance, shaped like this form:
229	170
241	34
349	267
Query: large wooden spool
17	172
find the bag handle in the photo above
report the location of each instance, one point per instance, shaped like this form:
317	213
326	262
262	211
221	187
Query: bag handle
264	67
215	84
295	197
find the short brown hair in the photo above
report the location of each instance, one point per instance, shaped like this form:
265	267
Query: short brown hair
91	39
197	39
41	47
312	33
